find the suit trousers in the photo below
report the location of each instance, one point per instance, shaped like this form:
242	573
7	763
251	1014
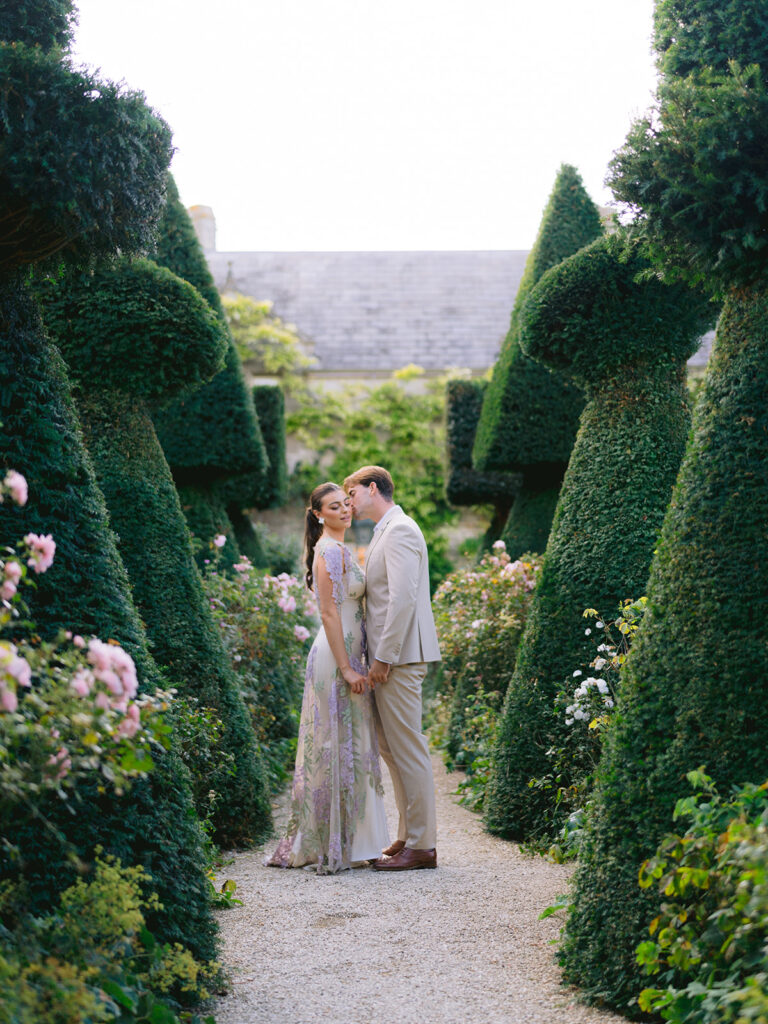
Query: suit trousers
405	752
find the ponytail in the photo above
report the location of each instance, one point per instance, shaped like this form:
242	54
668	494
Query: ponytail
313	528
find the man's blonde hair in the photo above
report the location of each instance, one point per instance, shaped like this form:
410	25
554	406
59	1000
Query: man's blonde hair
372	475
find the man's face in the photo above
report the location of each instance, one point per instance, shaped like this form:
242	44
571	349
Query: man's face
361	500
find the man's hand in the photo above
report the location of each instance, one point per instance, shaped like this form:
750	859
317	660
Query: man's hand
378	673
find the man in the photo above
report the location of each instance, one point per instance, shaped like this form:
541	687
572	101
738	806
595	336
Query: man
401	641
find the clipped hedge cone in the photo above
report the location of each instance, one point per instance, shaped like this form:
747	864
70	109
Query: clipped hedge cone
133	332
694	687
625	342
211	437
87	590
530	415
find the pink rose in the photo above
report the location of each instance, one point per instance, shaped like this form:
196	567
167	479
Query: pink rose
41	550
128	728
20	670
300	632
78	641
7	590
131	724
81	682
8	699
287	604
12	572
219	540
17	485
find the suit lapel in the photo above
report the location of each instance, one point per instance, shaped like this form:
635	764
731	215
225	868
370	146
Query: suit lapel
377	535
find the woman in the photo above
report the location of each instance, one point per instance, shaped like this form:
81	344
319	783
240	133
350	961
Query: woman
337	810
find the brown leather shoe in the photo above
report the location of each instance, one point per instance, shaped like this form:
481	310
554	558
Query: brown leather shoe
407	860
393	848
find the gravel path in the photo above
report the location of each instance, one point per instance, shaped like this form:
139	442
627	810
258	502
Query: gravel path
459	945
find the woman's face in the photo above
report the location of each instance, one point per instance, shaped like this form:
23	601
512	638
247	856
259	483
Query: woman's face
336	509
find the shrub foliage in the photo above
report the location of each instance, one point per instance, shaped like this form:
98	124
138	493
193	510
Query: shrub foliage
465	485
693	168
690	689
530	415
625	341
211	438
140	493
696	172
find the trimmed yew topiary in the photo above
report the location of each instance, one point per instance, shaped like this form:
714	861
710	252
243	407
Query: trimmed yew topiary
466	485
83	160
212	438
269	402
694	686
625	341
130	321
82	172
530	415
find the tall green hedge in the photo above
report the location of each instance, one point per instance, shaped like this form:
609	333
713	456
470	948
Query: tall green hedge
82	173
269	403
694	686
43	23
206	517
625	342
693	168
466	485
83	160
93	317
212	438
530	415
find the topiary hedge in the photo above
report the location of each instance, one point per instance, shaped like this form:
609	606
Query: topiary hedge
693	168
105	308
530	416
625	342
269	402
83	160
695	680
82	173
87	590
45	23
465	485
211	439
694	684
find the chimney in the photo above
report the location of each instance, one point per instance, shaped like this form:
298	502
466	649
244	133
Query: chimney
205	226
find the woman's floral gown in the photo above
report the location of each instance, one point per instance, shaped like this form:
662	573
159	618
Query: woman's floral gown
337	809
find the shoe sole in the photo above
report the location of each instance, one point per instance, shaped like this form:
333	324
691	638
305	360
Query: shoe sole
409	867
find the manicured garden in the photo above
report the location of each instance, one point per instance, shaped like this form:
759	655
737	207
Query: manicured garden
604	659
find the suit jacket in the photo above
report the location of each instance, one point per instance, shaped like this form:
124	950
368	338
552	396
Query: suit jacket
399	622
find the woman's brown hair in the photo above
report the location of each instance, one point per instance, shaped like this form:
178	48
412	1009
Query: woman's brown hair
313	528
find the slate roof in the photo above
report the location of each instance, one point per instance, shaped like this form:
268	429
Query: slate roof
382	310
378	311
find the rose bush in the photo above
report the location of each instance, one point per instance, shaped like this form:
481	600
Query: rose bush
69	707
266	623
479	614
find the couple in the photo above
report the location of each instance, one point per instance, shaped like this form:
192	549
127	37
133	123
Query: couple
349	712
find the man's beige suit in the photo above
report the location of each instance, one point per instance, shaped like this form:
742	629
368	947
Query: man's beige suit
401	631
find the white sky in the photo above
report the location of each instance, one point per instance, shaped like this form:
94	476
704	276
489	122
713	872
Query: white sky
379	124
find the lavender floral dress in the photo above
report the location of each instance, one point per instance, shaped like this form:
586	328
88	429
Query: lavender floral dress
337	810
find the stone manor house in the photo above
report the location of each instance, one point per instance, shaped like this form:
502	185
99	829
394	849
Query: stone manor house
363	315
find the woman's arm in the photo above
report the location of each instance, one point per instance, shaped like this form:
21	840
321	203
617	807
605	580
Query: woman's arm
329	613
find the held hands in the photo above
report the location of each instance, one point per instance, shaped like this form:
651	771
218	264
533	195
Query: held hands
378	673
354	679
